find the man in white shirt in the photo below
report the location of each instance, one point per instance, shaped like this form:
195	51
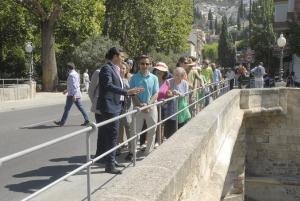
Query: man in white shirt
230	75
74	96
86	80
259	72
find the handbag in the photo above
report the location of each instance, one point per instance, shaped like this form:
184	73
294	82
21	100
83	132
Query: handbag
185	115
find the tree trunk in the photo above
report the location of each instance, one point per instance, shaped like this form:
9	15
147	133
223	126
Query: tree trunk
49	66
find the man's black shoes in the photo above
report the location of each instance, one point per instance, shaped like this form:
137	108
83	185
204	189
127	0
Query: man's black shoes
58	123
129	157
112	170
86	123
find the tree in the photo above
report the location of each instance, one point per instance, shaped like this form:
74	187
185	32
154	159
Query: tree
14	29
241	14
48	13
226	49
217	27
91	53
262	34
210	19
294	35
143	26
210	51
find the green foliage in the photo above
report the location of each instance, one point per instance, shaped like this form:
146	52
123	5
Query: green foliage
210	51
262	34
226	50
170	58
14	31
79	20
294	35
145	25
241	14
91	53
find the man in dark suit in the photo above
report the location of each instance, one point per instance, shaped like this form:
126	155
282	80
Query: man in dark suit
111	97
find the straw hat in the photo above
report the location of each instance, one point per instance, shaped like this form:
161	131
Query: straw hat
161	66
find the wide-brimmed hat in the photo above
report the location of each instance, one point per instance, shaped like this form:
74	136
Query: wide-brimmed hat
161	66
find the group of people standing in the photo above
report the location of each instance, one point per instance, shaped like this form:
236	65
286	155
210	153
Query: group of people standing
113	90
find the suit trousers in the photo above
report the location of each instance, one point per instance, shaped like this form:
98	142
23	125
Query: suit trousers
151	119
107	137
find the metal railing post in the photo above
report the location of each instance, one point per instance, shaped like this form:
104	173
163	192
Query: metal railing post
3	89
88	158
17	97
160	125
176	106
135	139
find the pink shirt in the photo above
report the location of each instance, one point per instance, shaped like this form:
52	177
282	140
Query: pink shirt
162	93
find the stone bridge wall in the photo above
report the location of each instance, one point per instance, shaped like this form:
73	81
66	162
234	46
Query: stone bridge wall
273	152
17	92
191	165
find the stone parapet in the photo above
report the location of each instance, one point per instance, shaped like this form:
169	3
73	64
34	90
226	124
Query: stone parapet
18	91
262	124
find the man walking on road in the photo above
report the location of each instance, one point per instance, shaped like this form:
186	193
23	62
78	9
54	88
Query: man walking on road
259	72
86	80
74	96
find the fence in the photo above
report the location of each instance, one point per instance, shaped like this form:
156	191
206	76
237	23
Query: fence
11	89
212	92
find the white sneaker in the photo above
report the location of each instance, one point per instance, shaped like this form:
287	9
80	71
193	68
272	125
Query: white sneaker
156	145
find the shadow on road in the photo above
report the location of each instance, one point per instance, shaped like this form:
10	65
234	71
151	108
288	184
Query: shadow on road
73	159
53	172
46	126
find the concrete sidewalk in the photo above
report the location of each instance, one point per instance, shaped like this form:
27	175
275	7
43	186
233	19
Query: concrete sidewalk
41	99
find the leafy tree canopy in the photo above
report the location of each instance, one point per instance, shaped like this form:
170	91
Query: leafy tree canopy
145	25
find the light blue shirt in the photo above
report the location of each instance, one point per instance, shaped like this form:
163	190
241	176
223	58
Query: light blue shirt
73	84
148	82
217	75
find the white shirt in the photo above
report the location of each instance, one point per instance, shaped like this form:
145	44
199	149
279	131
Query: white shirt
86	77
117	69
73	84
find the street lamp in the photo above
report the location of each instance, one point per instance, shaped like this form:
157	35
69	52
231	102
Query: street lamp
281	42
29	50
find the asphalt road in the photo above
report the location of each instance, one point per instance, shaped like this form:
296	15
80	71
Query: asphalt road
26	128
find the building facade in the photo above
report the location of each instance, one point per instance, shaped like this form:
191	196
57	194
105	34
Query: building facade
285	11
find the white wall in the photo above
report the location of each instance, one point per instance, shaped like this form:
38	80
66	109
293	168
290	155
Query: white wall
291	6
281	10
296	67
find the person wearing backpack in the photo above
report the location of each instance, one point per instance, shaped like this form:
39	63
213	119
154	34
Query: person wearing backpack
259	72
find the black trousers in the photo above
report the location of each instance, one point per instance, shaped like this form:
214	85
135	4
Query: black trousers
231	84
107	137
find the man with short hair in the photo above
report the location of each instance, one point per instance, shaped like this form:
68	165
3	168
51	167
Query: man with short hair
259	72
217	78
207	73
86	80
74	96
143	78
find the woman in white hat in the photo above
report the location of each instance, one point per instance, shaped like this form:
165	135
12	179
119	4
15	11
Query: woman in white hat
161	70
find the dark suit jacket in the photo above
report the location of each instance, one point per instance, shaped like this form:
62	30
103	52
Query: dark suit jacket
110	89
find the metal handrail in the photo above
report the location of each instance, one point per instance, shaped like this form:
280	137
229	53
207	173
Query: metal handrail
93	127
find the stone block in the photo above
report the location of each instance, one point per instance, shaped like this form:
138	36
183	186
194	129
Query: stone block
273	139
293	139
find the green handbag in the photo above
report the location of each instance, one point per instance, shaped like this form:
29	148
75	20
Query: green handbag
185	115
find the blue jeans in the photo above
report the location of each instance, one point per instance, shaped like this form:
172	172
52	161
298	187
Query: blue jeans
69	103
